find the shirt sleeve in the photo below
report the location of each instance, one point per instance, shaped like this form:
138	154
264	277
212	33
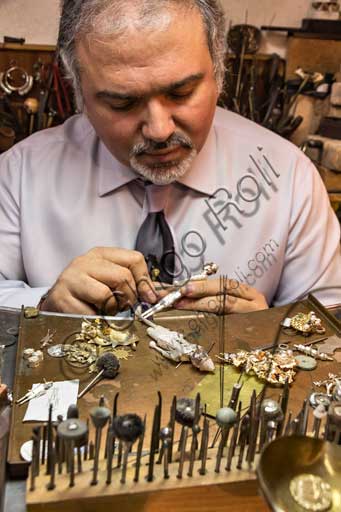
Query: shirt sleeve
14	291
313	252
15	294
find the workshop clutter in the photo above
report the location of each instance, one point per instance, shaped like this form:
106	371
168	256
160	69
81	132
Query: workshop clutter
255	85
32	97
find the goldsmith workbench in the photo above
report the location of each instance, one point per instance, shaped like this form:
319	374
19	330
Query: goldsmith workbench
244	331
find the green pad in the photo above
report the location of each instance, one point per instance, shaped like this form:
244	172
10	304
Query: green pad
209	388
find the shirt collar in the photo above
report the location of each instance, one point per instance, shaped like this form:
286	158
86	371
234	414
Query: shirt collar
201	176
112	174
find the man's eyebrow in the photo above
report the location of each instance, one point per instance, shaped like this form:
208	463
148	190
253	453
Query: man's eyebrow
112	95
185	81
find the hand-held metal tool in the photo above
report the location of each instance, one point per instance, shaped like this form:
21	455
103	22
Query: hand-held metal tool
209	269
243	438
108	366
139	452
195	432
166	438
270	411
234	439
185	415
204	446
72	432
225	418
127	429
36	392
99	417
164	303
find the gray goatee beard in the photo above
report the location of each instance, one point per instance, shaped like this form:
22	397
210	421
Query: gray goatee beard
163	173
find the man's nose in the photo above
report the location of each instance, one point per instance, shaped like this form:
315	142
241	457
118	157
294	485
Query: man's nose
158	124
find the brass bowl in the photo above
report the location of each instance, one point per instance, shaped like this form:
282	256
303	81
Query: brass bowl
288	457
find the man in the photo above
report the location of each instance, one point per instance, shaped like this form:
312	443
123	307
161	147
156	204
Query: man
153	165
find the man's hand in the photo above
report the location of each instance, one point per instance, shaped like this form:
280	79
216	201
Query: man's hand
207	296
104	279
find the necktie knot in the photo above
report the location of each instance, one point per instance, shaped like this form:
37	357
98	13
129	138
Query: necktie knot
156	197
154	239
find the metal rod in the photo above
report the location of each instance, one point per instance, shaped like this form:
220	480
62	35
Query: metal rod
110	452
253	428
91	450
119	454
33	464
243	439
37	434
222	444
86	446
153	443
204	447
288	424
91	384
195	432
233	442
182	452
52	483
71	449
139	452
127	447
94	480
43	455
235	395
158	426
171	425
305	417
79	459
284	406
49	440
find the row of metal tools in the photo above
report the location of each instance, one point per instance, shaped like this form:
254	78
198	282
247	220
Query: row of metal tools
238	435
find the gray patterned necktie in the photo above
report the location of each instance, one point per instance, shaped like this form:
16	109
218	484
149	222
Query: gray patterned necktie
154	239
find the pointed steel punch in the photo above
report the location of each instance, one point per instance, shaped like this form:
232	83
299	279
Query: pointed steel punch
166	302
169	300
39	390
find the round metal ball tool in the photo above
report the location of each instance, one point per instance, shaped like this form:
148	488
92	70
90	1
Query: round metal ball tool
166	438
225	418
71	432
185	415
127	429
271	413
108	367
99	417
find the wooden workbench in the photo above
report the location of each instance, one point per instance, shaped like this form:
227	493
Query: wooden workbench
145	373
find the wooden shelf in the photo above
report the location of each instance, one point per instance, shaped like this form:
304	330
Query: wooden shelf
28	47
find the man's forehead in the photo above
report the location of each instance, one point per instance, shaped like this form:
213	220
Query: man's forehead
117	16
133	42
159	58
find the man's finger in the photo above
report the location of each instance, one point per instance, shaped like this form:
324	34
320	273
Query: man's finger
135	262
214	304
111	275
67	304
210	287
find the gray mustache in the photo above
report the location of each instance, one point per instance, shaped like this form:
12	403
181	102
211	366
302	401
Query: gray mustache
150	145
